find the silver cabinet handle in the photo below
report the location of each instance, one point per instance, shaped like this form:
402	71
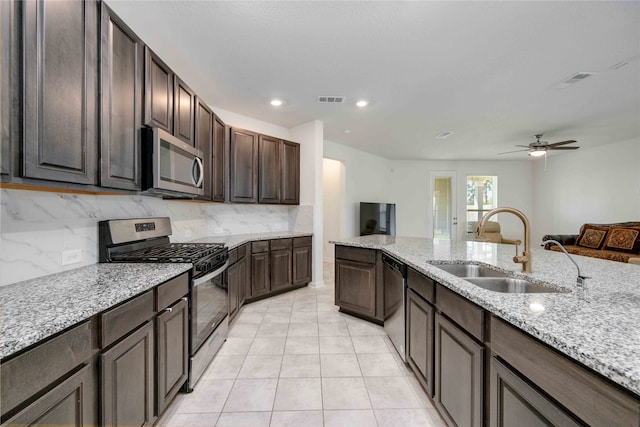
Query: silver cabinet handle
168	309
201	167
185	299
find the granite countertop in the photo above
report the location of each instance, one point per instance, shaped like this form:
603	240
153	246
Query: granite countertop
36	309
39	308
233	241
598	327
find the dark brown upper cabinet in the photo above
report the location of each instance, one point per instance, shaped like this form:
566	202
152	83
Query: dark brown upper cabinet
60	91
7	51
122	68
158	90
243	166
183	111
269	169
289	173
218	163
204	142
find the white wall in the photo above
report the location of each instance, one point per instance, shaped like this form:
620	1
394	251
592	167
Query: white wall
333	192
367	179
410	181
600	185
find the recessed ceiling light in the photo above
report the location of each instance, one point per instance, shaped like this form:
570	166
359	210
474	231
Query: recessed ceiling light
443	135
347	131
276	102
362	103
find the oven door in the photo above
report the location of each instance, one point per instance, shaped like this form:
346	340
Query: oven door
208	306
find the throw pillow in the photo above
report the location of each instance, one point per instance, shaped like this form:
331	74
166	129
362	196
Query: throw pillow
592	236
624	239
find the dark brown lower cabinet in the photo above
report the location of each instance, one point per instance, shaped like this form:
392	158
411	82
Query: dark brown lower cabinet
244	286
513	402
234	274
172	352
281	269
127	374
301	265
420	317
70	403
260	274
458	375
356	286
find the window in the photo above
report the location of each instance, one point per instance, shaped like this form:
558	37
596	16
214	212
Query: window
482	196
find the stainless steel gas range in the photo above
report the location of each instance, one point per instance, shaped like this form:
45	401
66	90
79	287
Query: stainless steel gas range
147	240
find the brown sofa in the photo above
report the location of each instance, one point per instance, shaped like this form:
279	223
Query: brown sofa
613	242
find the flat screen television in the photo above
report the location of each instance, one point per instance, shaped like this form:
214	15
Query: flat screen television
377	218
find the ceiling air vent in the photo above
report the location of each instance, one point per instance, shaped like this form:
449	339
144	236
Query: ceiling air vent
578	77
331	99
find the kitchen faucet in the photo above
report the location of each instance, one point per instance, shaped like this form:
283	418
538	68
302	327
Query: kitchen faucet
582	280
525	258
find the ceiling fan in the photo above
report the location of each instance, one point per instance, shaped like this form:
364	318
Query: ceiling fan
540	148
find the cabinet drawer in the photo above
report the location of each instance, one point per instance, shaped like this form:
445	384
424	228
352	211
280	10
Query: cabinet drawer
171	291
463	312
118	321
241	251
233	256
593	399
299	242
34	370
356	254
279	244
421	284
261	246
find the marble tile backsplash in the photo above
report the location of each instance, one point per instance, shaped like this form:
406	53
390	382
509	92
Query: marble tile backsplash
37	227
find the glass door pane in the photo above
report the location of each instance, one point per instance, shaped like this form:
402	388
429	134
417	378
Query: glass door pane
443	205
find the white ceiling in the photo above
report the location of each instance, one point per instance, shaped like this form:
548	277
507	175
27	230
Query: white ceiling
482	70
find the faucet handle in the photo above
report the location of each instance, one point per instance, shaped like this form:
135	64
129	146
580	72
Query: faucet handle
582	281
516	249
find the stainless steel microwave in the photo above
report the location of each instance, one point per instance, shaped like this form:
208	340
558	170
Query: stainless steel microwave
170	167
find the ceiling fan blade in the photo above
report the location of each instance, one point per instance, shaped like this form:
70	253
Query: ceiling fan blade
555	144
563	148
524	146
515	151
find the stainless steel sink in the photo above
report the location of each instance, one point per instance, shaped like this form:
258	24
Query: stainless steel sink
510	286
470	270
494	280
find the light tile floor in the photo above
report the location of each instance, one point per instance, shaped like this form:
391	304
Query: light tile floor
294	360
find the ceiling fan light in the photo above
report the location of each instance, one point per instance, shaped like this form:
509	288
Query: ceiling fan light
537	153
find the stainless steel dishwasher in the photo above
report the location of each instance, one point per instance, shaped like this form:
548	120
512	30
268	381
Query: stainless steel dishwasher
395	296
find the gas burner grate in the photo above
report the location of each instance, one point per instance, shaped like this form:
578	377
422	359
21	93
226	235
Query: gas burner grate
173	252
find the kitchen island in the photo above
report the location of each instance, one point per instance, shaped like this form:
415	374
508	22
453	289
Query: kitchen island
598	327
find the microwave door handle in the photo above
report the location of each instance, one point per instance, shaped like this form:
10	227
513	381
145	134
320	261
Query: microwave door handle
198	183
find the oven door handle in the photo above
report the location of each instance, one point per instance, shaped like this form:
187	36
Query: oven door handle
211	275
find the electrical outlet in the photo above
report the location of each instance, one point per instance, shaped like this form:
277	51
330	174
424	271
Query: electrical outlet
72	256
218	230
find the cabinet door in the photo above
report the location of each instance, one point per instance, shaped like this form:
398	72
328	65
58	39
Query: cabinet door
420	339
184	100
242	285
60	91
172	352
301	265
121	117
204	142
218	163
127	378
158	92
281	269
7	92
260	277
514	402
233	289
269	169
356	286
243	166
290	173
458	375
70	403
